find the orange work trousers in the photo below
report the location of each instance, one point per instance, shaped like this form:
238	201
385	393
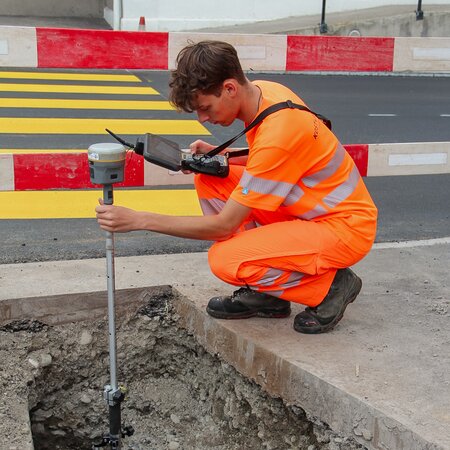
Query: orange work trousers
281	255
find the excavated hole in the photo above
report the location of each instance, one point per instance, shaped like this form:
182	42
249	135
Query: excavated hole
179	396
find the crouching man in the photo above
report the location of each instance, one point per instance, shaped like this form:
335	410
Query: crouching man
290	218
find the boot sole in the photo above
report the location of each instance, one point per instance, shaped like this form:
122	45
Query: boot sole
333	323
248	314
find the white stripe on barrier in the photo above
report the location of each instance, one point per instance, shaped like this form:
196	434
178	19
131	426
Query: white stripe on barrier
442	54
3	47
417	159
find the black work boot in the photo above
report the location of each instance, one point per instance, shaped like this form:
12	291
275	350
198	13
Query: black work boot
323	317
245	303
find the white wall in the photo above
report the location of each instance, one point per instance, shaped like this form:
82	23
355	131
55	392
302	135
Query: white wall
184	15
52	8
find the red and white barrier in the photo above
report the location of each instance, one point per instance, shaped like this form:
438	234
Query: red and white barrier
83	49
18	47
41	171
77	48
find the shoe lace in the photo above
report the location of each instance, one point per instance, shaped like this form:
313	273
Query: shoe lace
236	294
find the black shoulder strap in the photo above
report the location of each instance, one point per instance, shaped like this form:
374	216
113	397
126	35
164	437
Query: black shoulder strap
261	116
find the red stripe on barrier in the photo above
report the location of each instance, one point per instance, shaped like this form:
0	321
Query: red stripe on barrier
339	53
101	49
67	171
360	154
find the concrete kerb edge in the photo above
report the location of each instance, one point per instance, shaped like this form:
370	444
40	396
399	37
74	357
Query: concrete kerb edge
344	413
280	378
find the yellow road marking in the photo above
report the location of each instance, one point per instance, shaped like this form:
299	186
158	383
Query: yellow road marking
70	76
77	89
97	126
81	204
60	103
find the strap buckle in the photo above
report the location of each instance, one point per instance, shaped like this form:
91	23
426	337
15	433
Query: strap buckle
290	104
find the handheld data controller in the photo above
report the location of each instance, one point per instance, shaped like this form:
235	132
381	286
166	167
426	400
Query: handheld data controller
168	154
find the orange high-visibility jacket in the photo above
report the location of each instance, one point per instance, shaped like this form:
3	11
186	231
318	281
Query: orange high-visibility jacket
311	207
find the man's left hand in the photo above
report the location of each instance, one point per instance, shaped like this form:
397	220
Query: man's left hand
116	218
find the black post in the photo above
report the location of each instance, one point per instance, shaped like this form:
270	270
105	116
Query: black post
323	26
419	12
115	426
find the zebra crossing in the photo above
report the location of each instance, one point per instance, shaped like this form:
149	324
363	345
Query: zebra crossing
77	106
49	118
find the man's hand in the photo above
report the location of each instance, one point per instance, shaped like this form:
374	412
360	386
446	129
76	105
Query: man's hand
200	147
116	218
215	227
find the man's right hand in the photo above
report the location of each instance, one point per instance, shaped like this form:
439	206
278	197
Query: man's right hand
200	147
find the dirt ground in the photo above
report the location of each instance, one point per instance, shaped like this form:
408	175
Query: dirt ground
178	395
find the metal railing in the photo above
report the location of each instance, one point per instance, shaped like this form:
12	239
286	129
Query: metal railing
419	12
323	27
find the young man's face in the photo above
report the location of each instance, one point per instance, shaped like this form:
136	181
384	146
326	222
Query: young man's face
220	110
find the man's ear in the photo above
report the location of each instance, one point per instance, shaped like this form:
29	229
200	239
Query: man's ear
230	86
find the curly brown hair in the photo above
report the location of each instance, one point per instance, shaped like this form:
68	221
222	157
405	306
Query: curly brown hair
202	68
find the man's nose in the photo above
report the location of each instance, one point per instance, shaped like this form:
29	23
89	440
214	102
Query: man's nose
202	116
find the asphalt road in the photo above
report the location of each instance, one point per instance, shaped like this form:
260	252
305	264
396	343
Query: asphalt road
364	109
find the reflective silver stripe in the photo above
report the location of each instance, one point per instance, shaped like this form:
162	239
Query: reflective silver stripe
294	196
328	170
270	277
262	186
211	206
344	190
317	211
294	280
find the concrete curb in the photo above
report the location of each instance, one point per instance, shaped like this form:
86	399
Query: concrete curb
62	170
80	48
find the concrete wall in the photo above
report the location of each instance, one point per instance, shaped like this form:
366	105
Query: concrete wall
52	8
181	15
434	24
